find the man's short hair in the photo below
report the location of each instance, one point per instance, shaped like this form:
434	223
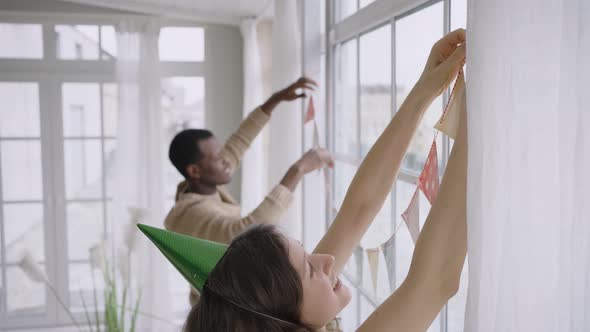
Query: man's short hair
184	149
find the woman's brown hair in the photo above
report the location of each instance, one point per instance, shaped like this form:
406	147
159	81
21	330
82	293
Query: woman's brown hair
254	287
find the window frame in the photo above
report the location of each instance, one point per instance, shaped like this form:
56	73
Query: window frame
50	73
365	20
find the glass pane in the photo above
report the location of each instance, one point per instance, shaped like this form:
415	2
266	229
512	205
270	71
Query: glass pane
182	44
83	168
19	116
77	42
458	14
183	107
81	109
382	291
110	150
108	42
345	114
21	41
343	174
366	309
456	307
364	3
23	293
415	35
21	170
84	282
110	108
404	246
345	8
375	79
85	228
23	231
381	228
349	314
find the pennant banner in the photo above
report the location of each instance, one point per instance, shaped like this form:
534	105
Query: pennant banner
310	115
449	121
388	249
316	135
412	216
428	181
373	258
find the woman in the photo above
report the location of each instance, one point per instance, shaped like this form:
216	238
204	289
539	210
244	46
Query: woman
267	282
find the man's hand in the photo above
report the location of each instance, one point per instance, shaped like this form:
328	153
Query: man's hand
310	161
290	93
315	159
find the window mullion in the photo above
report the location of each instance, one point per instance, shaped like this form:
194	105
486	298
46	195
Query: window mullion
3	289
51	233
61	244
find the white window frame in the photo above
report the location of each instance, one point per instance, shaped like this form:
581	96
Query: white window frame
50	72
365	20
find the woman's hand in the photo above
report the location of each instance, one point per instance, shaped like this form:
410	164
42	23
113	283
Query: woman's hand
445	60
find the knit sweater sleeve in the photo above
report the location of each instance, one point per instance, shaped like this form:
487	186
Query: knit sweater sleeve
213	226
240	141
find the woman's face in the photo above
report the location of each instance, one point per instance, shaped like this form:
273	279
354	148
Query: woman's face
324	296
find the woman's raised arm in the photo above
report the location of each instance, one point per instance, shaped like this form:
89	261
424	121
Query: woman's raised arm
374	179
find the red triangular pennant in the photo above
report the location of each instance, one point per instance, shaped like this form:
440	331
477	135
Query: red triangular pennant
428	180
310	115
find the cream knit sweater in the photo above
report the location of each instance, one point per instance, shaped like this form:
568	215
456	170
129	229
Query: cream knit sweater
218	217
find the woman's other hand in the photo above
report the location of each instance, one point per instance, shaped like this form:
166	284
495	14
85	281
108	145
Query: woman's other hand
445	60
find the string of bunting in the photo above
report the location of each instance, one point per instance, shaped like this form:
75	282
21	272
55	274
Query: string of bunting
428	183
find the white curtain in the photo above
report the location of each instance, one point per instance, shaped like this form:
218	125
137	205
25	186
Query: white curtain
254	174
529	165
286	123
140	159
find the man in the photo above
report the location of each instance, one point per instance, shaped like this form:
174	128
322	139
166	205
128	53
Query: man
204	208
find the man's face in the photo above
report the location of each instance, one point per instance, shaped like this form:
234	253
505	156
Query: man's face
213	169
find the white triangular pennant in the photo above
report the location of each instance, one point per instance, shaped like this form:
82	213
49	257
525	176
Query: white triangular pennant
449	121
388	249
373	258
412	216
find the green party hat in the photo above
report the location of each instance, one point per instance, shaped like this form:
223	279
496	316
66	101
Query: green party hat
194	258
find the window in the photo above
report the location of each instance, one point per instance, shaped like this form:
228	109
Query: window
85	174
77	42
25	40
373	73
22	196
414	37
57	157
346	120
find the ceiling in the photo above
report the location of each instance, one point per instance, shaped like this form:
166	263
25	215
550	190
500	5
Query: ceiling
211	11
